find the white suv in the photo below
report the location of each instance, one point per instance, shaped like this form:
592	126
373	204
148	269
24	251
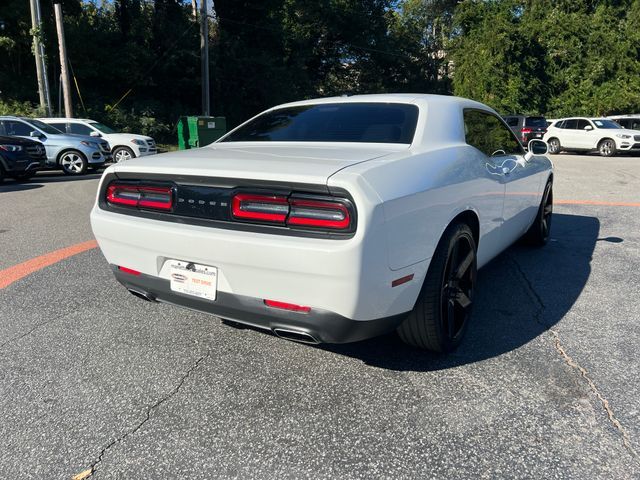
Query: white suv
587	134
124	146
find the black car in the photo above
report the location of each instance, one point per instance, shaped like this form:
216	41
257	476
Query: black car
20	158
527	127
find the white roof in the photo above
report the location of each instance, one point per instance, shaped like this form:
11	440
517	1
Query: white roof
413	98
64	119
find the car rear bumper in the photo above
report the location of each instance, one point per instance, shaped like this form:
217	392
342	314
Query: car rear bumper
316	326
349	277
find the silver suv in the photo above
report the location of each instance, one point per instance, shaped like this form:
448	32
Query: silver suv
72	153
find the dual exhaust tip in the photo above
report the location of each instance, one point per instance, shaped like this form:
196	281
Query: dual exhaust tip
293	335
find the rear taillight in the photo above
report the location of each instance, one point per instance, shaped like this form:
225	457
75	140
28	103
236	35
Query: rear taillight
296	211
321	214
526	130
140	196
263	208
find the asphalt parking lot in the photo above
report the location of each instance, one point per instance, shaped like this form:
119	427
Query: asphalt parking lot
546	384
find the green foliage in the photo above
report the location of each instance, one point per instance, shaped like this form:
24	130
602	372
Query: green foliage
557	57
20	109
145	122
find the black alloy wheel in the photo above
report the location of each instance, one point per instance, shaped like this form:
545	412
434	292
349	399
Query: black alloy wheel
457	288
539	232
441	314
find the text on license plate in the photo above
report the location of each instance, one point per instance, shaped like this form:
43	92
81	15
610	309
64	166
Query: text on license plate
193	279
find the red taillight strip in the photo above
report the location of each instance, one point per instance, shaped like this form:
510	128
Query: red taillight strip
312	213
131	200
156	198
130	271
294	211
267	208
287	306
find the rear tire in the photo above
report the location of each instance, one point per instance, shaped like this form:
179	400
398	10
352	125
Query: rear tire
538	233
607	148
554	146
441	314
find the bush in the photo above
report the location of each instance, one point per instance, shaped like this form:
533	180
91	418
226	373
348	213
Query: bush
20	109
144	123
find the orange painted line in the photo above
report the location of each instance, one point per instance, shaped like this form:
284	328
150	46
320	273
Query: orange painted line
21	270
596	202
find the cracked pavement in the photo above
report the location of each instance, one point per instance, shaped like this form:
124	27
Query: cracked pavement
544	386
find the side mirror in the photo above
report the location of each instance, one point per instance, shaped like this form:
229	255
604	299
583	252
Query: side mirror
588	128
35	134
95	134
536	147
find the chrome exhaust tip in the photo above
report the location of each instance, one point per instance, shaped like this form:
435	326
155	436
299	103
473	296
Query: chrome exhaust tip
296	336
143	295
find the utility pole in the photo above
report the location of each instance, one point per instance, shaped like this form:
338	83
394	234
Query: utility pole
64	68
38	52
204	56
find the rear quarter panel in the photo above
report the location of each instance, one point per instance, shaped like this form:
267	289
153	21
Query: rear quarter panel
422	192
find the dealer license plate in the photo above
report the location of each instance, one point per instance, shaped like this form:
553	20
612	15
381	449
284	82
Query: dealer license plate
193	279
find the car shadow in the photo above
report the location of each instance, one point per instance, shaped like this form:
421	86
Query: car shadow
55	176
520	295
8	186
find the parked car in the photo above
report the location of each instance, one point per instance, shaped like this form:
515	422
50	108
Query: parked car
527	127
124	146
630	122
330	220
588	134
71	153
20	158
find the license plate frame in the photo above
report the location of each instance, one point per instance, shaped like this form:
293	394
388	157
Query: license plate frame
194	279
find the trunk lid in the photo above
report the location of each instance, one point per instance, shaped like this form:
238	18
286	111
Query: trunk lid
311	163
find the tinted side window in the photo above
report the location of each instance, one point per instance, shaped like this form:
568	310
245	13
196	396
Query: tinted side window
17	128
635	124
512	121
489	135
571	124
60	126
535	122
79	129
582	123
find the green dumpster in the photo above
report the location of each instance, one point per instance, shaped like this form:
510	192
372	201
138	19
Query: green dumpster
194	132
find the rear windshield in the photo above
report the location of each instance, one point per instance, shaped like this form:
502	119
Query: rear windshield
332	122
535	122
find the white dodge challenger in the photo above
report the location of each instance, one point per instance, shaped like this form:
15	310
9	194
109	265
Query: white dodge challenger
330	220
